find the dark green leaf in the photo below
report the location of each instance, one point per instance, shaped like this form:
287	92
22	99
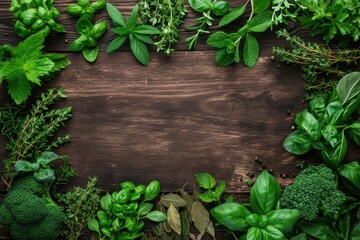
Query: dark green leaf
132	20
83	25
355	231
140	50
145	208
46	175
233	15
220	8
261	5
116	43
218	40
330	133
115	15
317	107
223	58
320	229
200	5
156	216
231	215
283	219
152	190
260	23
205	180
307	122
25	166
144	38
332	112
272	233
333	156
301	236
105	202
251	51
344	226
351	171
265	193
90	53
254	233
47	157
348	86
146	29
349	109
297	143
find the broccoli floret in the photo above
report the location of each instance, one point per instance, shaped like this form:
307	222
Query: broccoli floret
314	189
29	215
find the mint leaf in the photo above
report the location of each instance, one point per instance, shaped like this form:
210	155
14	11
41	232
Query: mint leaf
115	15
60	61
231	16
260	22
217	40
251	51
223	58
140	50
261	5
19	89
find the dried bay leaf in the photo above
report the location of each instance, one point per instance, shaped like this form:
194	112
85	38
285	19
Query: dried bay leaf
200	216
174	199
174	219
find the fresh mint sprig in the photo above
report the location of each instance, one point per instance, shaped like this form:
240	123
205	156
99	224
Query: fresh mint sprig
138	34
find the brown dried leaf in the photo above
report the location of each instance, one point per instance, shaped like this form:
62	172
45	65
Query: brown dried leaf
174	219
200	216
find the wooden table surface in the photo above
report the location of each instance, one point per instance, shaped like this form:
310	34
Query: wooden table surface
179	116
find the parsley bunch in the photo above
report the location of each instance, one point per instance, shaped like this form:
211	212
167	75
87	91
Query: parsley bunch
138	34
34	16
166	16
25	66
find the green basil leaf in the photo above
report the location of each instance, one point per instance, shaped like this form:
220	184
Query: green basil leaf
349	109
219	190
116	43
251	51
152	190
355	231
333	156
115	15
344	226
254	233
83	25
348	86
260	23
301	236
98	29
105	202
90	53
25	166
232	16
351	172
93	225
156	216
78	44
74	9
205	180
283	219
265	193
272	233
307	122
145	208
334	97
261	5
200	5
297	143
46	175
132	20
47	157
139	50
320	229
253	219
332	112
174	199
146	29
231	215
208	196
220	8
317	107
330	134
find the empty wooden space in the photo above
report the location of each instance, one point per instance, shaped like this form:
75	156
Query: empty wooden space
179	116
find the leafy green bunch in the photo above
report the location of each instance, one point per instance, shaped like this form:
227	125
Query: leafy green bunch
79	205
89	32
265	220
320	65
207	8
25	66
166	16
34	16
324	124
138	34
30	133
122	213
228	45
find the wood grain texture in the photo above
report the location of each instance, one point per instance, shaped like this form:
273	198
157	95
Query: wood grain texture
177	117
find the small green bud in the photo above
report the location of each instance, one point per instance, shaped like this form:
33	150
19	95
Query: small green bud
29	16
74	9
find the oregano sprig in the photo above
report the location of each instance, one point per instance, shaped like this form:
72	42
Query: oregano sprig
138	34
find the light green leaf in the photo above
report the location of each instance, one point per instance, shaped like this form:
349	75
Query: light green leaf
205	180
25	166
251	51
231	215
260	23
19	89
139	50
156	216
348	87
283	219
115	15
152	190
297	143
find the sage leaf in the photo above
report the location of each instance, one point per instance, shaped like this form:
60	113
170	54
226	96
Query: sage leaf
231	16
205	180
200	217
265	193
185	225
211	229
348	86
174	220
173	199
251	51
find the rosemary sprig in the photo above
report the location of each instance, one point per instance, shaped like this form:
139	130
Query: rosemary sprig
321	66
31	133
